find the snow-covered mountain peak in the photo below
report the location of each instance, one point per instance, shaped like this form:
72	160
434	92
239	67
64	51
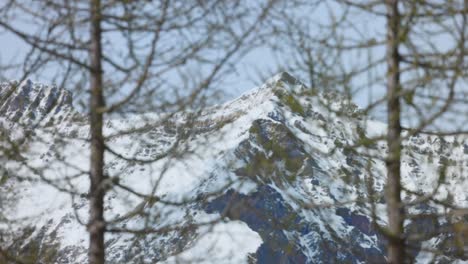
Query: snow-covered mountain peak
265	98
283	82
286	166
284	90
29	102
284	77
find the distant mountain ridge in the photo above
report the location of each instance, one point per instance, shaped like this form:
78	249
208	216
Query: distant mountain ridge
289	166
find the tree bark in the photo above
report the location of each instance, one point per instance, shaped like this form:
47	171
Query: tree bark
96	224
395	212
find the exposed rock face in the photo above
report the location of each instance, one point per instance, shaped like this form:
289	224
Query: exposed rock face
302	195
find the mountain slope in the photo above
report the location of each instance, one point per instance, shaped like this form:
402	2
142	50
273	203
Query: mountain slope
286	169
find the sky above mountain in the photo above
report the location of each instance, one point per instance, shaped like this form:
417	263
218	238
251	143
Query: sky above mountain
261	62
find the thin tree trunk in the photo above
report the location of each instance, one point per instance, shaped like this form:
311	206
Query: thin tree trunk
96	225
395	212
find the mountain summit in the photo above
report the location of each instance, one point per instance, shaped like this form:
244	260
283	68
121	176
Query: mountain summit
284	167
29	102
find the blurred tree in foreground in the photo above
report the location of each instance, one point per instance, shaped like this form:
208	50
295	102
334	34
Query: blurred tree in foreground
409	60
124	58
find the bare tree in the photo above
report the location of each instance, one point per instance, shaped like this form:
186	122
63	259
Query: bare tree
394	207
396	55
96	194
124	58
135	57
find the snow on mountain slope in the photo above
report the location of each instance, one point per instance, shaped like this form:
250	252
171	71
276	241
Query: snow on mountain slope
284	168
